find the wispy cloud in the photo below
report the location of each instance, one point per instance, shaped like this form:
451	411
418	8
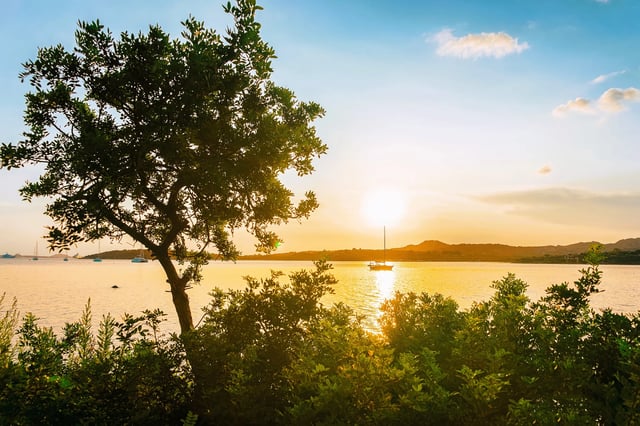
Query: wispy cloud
571	206
473	46
603	1
604	77
611	101
580	105
544	170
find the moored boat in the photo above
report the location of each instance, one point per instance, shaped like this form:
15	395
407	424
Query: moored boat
98	258
35	257
382	266
139	259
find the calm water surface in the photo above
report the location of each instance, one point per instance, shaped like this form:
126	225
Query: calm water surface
57	291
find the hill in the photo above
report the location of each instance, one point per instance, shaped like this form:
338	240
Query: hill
625	251
120	254
432	250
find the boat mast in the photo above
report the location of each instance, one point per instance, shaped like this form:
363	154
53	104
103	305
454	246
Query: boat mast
384	249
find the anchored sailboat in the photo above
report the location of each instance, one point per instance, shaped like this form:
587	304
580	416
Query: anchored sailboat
382	266
98	258
35	257
140	258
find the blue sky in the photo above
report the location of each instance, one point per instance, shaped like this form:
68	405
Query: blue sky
496	121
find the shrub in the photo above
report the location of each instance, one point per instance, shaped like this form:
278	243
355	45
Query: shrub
273	354
79	378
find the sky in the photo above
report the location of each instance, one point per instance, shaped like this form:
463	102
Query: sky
512	122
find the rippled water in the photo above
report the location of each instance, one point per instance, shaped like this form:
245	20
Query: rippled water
57	291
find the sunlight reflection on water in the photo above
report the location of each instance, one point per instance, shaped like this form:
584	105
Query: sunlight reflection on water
385	281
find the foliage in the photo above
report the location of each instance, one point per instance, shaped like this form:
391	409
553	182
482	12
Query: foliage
274	354
347	376
8	324
513	361
173	142
413	323
247	340
80	378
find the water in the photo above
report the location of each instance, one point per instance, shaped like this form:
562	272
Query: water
57	291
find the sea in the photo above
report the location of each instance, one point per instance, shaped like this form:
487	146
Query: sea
57	292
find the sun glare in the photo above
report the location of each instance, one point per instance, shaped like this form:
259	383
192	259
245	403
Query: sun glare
383	207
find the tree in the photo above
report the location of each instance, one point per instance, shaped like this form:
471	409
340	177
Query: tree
175	143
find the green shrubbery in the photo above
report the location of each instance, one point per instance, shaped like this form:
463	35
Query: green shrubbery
273	354
122	375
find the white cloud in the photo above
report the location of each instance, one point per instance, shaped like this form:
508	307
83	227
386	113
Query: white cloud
603	1
613	99
473	46
580	105
604	77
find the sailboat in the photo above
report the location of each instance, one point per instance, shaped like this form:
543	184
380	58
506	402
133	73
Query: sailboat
140	258
35	257
98	259
382	266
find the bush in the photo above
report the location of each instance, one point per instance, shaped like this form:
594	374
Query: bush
247	341
273	354
124	375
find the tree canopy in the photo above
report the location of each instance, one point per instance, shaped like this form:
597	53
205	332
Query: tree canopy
173	142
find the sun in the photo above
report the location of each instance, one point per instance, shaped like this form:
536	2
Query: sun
384	206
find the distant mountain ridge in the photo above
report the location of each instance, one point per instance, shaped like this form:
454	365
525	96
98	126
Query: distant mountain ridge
626	251
433	250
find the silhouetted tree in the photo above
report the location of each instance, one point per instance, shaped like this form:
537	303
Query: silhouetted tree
174	142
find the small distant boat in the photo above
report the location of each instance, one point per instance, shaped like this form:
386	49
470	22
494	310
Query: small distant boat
35	257
8	256
97	258
65	259
139	259
382	266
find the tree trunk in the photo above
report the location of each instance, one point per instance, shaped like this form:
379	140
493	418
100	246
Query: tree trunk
181	303
178	293
183	309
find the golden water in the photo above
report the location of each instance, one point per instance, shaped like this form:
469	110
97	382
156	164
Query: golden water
56	291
